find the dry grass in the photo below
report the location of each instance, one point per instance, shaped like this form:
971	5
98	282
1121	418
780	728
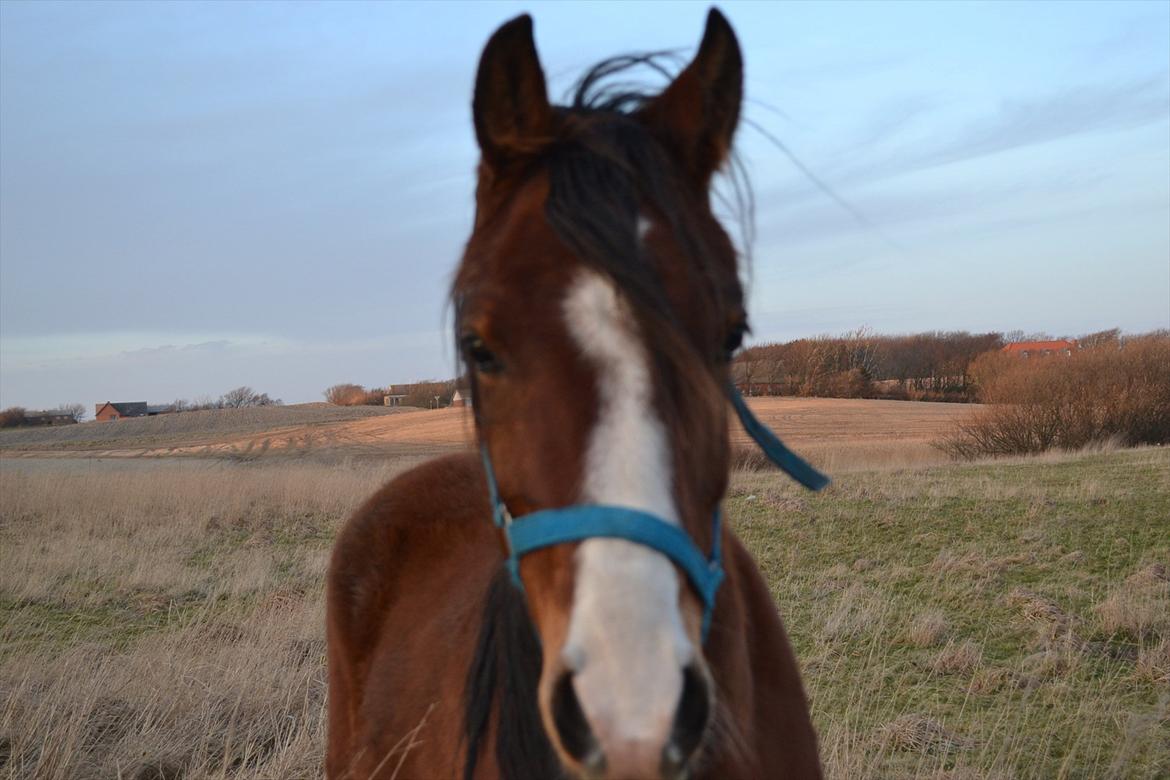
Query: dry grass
1136	612
958	658
919	733
163	618
1153	662
928	629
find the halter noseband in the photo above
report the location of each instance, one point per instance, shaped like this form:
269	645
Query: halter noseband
549	527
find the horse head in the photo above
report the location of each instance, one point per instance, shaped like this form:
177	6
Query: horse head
597	305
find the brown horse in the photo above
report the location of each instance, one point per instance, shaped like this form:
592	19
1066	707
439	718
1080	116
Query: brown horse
597	305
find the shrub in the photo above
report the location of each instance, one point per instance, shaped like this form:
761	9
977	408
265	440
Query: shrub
349	394
1117	392
12	417
345	394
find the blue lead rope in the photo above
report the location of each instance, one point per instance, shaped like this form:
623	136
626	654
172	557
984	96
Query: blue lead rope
550	527
788	461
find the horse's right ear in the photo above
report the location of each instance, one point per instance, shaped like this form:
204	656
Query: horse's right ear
698	113
511	109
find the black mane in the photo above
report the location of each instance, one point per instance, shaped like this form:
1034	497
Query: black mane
505	671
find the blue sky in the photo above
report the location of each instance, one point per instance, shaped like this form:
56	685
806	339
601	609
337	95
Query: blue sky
199	196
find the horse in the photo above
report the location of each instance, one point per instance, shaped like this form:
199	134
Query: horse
606	625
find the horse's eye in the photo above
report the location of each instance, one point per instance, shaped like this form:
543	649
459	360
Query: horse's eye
733	341
477	354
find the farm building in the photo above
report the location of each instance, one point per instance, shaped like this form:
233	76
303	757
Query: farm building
1029	349
112	410
116	410
458	399
48	418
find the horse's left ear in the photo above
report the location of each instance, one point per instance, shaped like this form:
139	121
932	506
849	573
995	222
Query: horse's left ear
698	113
511	109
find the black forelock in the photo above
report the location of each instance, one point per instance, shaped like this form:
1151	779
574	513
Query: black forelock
608	167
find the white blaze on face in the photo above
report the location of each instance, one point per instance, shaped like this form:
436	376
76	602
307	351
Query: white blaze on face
626	642
644	226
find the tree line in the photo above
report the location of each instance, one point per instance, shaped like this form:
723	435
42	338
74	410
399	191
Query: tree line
921	366
931	366
239	398
424	394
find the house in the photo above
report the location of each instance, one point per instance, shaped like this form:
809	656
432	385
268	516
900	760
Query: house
48	418
116	410
1028	349
393	399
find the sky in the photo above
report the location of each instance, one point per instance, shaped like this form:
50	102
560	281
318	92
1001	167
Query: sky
195	197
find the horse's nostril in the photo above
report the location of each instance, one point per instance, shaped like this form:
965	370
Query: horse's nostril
573	730
690	722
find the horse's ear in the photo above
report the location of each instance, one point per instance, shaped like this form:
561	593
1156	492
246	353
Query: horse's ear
511	109
698	113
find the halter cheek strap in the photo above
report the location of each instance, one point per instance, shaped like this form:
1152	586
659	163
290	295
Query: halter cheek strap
550	527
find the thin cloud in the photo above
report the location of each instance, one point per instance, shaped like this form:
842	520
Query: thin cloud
893	117
1076	111
1016	124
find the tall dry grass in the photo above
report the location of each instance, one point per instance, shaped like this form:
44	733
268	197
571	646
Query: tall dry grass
164	620
1116	392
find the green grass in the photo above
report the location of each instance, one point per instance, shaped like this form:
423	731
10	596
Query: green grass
1060	696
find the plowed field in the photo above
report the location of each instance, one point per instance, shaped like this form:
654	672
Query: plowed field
834	432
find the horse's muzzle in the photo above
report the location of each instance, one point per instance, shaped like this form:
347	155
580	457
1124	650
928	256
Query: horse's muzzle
616	757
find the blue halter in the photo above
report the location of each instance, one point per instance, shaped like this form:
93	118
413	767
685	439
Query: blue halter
549	527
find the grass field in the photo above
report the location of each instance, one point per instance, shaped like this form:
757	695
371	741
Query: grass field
162	617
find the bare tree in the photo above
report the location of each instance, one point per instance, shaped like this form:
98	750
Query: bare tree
245	396
241	396
76	411
1102	338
